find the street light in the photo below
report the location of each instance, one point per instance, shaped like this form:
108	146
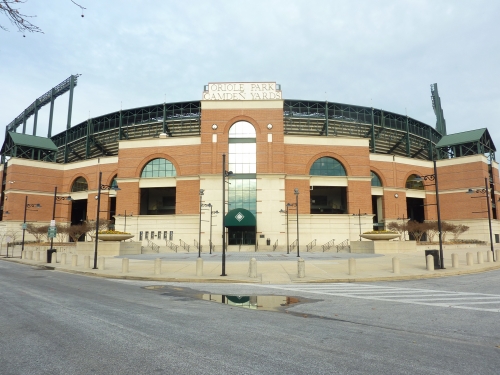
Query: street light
434	177
199	228
486	191
296	192
225	174
26	206
125	217
359	221
53	221
100	187
211	214
287	236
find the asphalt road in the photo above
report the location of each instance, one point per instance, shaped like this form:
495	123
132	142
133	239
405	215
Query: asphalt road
57	323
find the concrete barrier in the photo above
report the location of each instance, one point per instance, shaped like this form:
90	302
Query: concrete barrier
100	263
252	268
352	266
199	267
74	260
301	268
430	262
395	266
497	255
63	258
489	256
29	254
158	266
479	257
37	256
86	261
23	255
125	265
454	260
470	259
54	258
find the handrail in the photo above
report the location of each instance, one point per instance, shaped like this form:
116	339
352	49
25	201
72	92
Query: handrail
275	245
154	246
310	245
328	245
171	245
293	245
184	245
342	245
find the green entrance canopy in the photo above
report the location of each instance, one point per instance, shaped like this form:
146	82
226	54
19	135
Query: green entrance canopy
239	217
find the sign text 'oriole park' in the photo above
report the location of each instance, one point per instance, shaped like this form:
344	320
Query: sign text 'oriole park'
242	91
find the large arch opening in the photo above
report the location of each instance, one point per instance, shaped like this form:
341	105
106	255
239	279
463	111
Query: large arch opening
240	224
158	200
328	199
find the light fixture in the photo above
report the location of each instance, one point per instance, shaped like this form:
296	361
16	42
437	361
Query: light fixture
269	126
396	195
214	126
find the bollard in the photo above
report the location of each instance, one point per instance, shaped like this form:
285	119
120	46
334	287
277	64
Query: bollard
29	254
158	266
489	256
352	266
497	256
74	260
86	261
100	263
43	256
23	254
125	264
301	268
54	257
37	256
63	258
395	265
252	268
430	262
470	259
454	260
479	257
199	267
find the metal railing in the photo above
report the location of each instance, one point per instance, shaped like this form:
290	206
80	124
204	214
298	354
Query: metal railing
171	245
184	245
197	245
310	245
293	245
275	245
343	245
153	246
328	245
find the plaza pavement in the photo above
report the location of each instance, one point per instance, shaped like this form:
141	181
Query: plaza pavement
274	267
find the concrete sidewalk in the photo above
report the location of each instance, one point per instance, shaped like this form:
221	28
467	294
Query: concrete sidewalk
275	268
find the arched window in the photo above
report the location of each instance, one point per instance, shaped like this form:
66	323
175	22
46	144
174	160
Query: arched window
80	184
327	166
376	179
114	183
413	183
158	168
242	129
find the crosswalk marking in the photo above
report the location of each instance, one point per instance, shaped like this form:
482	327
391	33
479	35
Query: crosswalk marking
428	297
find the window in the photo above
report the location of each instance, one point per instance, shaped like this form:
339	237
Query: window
327	166
412	183
80	184
158	168
375	179
114	183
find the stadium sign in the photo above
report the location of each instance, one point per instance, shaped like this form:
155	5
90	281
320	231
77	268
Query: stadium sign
242	91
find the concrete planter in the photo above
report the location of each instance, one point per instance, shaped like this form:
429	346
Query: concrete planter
380	236
113	237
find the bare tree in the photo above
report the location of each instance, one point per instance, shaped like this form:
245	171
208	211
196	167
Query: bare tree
10	8
417	229
62	231
34	230
103	225
76	231
432	230
458	230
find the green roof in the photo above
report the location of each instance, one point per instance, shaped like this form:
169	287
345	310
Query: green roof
462	138
33	141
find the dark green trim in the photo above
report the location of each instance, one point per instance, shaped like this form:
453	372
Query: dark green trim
241	140
239	217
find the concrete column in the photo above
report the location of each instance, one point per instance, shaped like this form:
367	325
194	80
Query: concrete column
29	254
37	256
125	264
63	258
430	262
489	256
74	260
43	256
395	266
301	268
252	268
158	266
54	258
479	257
199	267
23	255
100	263
454	260
497	255
470	259
352	266
86	261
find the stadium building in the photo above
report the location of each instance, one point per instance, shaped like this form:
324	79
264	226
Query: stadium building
313	171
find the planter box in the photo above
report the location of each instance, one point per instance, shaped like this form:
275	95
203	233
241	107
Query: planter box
108	248
113	237
382	247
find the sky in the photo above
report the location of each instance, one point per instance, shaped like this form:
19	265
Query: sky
376	53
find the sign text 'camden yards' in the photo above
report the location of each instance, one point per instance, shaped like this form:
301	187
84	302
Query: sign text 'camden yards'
242	91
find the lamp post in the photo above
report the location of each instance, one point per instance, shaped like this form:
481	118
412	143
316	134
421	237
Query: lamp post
434	177
296	192
199	227
486	191
26	206
99	188
224	175
287	236
53	221
211	215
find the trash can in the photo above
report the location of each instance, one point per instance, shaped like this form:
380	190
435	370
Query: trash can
435	255
49	255
268	242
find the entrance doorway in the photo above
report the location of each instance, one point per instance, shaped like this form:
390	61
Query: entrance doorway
241	226
241	235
